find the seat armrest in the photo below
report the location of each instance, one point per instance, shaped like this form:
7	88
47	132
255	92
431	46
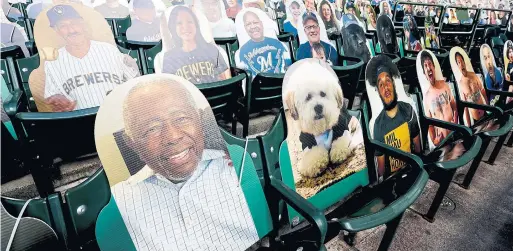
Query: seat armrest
12	105
497	92
285	37
493	109
313	215
409	158
451	126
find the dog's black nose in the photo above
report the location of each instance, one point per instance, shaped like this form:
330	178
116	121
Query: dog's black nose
318	109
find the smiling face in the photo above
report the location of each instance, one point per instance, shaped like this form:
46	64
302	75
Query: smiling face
73	31
386	90
185	27
312	30
253	26
166	132
310	5
326	12
295	9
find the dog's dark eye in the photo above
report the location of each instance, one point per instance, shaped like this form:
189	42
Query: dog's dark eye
308	97
323	94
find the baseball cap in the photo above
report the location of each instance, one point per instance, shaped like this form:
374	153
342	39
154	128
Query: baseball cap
60	12
143	4
349	5
309	16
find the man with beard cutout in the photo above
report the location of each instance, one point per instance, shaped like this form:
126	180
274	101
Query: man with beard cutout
439	103
313	32
397	124
493	76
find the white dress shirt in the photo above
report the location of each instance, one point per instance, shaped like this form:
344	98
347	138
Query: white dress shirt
206	212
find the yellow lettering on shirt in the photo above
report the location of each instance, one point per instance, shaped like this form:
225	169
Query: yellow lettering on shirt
398	138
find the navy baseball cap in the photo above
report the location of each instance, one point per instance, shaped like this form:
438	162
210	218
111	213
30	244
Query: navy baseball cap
60	12
350	5
309	16
143	4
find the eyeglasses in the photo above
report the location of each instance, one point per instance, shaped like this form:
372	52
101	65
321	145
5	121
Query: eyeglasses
311	27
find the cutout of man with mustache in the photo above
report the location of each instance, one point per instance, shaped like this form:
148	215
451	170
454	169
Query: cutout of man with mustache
493	75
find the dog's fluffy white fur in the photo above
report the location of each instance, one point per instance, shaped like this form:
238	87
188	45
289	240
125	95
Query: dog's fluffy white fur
317	86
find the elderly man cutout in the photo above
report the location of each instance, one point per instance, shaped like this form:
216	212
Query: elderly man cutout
187	196
313	32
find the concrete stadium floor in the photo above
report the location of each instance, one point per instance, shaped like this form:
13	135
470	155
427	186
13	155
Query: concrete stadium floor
480	218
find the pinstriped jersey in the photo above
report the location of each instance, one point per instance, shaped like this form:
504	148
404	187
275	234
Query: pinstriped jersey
87	80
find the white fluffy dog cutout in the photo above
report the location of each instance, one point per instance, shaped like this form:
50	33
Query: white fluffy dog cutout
314	102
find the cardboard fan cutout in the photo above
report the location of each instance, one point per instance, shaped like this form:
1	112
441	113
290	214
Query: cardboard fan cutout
431	37
324	140
439	100
79	60
295	11
471	89
385	9
371	16
311	5
232	8
314	40
277	8
215	12
508	60
394	116
189	50
412	39
112	8
162	152
145	17
327	15
493	77
260	50
386	35
355	43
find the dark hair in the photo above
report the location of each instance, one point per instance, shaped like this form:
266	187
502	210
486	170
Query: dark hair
378	63
173	16
424	55
458	54
332	21
510	48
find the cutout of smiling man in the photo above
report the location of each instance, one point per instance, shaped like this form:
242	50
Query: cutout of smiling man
85	70
397	124
261	53
187	196
313	32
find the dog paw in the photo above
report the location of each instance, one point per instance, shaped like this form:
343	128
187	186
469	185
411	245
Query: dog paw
314	162
340	149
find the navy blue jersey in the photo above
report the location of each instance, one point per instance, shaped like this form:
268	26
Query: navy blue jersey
203	65
268	56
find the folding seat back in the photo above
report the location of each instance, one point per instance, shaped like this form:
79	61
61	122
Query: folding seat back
72	79
16	101
41	224
24	67
187	163
84	203
13	35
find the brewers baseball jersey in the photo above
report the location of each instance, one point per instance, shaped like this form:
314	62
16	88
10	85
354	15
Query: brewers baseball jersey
87	80
201	213
267	56
202	65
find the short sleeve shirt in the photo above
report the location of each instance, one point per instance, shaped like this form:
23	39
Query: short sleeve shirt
397	132
266	56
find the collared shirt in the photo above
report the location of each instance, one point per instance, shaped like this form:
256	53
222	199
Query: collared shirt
207	212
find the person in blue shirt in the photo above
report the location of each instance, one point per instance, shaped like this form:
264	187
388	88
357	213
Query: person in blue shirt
493	76
313	30
294	12
260	53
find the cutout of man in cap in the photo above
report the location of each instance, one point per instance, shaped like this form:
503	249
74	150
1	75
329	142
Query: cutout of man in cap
85	70
145	22
313	32
113	9
261	54
189	187
439	103
397	124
